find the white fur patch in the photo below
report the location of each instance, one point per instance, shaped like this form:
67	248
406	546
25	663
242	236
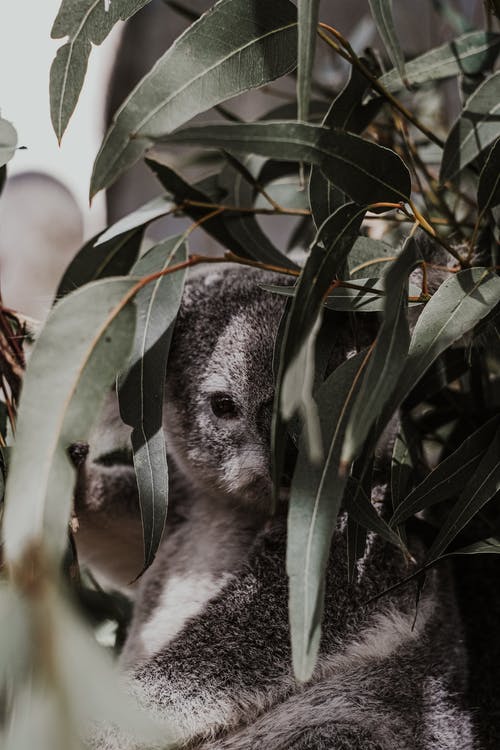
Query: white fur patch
242	469
183	597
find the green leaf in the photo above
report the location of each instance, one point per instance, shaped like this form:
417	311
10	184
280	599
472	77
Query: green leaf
373	253
316	495
142	216
368	173
449	477
389	354
476	128
85	22
235	46
83	344
488	191
141	387
481	487
8	141
458	305
382	15
308	11
489	546
95	261
328	252
470	53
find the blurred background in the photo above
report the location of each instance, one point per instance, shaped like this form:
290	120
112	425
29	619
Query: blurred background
44	212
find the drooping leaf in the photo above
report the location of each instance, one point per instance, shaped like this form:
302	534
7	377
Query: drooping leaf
215	59
63	388
308	11
95	261
488	191
382	15
389	354
328	252
145	214
481	487
8	141
315	499
367	172
458	305
470	53
476	128
403	463
85	22
370	257
450	476
489	546
141	386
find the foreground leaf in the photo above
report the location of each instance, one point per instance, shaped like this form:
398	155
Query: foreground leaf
389	354
470	53
8	141
382	15
141	387
308	11
63	389
449	477
215	59
145	214
85	22
476	128
315	499
481	487
368	173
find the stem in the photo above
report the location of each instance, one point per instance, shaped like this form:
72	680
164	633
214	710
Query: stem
248	210
348	54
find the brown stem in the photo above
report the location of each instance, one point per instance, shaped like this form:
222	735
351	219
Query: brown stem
248	210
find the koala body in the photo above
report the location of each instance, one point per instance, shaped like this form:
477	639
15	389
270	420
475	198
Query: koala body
209	643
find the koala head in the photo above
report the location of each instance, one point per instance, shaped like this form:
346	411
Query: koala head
220	385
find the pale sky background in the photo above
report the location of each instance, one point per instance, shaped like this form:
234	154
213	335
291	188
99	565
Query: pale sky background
26	53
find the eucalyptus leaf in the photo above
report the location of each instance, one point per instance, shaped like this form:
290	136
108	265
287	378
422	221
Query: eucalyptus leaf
382	15
145	214
85	22
328	253
449	477
235	46
476	128
367	172
8	141
316	495
459	304
389	353
489	546
141	387
488	191
470	53
372	255
63	389
308	11
481	487
95	261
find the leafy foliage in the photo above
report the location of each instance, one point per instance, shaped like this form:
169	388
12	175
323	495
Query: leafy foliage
421	321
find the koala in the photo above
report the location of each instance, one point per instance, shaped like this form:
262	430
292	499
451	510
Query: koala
209	644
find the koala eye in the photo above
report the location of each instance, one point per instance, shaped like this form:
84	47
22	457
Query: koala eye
223	406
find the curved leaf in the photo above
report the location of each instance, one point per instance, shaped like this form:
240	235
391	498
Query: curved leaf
382	15
449	477
368	173
235	46
488	191
8	141
85	22
63	389
476	128
141	387
389	354
308	11
315	499
145	214
470	53
481	487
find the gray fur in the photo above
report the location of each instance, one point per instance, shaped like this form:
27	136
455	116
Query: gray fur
209	643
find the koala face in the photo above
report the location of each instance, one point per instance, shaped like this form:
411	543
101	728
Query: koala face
220	385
